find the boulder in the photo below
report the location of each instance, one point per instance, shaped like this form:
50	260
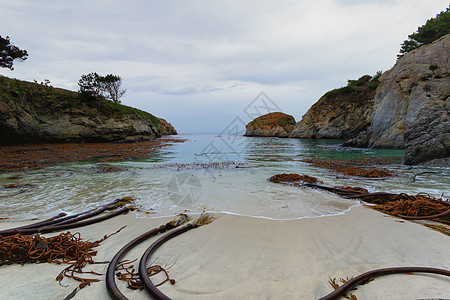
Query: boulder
274	124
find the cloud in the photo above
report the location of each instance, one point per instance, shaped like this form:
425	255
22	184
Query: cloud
218	55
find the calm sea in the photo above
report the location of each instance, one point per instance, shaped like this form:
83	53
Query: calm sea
216	173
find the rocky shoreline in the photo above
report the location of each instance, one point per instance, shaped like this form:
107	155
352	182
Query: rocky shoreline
406	108
39	113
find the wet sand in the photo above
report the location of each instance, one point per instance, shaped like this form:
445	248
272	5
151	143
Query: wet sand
240	257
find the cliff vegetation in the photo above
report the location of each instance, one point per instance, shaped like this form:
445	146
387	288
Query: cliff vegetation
38	112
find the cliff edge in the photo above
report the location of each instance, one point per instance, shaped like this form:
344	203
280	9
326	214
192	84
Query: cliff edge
341	113
35	113
411	108
166	128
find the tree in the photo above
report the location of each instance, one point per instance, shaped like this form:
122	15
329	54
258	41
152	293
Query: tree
112	85
90	85
108	86
433	29
9	53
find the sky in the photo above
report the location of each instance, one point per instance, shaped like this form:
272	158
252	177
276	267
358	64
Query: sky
202	64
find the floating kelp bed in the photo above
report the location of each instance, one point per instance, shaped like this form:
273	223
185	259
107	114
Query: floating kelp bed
35	156
351	168
25	244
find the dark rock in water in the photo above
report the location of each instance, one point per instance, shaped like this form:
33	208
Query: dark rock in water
274	124
34	113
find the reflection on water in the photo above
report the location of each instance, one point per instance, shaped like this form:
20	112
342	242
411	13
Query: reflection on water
239	188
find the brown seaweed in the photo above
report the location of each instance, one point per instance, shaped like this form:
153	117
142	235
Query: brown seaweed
348	167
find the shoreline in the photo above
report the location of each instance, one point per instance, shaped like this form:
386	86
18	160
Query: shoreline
254	258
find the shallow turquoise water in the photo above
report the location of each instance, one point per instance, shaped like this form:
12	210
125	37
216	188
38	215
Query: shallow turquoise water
173	180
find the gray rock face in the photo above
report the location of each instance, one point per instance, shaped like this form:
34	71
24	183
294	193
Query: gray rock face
411	106
429	137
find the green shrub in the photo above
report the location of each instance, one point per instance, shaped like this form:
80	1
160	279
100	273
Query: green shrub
373	86
365	78
433	67
377	76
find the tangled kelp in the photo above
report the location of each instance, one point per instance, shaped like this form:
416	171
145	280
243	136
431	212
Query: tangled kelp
65	248
350	168
293	178
420	205
18	245
127	273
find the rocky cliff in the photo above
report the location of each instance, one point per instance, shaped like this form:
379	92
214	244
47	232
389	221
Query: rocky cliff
339	114
166	128
272	124
411	108
31	112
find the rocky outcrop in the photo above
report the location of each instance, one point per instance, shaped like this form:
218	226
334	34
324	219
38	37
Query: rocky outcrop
31	112
411	108
274	124
340	114
166	128
429	137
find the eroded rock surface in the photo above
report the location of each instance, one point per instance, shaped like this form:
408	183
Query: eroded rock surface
274	124
411	108
31	112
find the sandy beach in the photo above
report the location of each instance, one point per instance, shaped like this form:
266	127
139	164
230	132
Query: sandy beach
240	257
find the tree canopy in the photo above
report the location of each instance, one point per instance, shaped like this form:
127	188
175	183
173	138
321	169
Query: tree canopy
9	53
433	29
109	86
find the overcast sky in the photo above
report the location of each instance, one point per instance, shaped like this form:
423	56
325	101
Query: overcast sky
199	64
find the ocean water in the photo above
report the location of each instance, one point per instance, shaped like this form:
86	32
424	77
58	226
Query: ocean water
215	173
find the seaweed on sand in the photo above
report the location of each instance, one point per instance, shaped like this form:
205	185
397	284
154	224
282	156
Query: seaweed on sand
64	248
